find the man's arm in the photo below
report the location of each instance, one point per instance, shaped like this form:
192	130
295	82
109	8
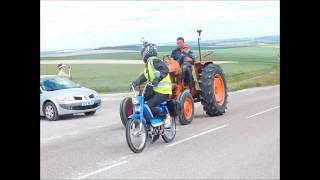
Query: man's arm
63	74
172	54
191	54
162	68
70	76
141	79
175	54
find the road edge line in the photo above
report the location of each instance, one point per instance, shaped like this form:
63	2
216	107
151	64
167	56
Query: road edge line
270	109
101	170
197	135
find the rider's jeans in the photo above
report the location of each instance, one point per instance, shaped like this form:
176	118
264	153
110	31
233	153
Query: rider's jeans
155	101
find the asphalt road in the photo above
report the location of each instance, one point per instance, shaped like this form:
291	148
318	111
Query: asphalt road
244	143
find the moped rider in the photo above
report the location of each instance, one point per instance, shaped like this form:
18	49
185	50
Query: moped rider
161	85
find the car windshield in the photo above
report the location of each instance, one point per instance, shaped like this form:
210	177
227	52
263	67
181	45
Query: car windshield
56	83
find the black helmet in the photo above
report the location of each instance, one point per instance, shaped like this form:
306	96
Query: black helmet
148	50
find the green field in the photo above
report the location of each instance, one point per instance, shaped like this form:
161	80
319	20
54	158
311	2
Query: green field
246	54
102	77
257	66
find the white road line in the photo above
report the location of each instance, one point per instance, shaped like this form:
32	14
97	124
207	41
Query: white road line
90	128
263	112
197	135
103	169
253	89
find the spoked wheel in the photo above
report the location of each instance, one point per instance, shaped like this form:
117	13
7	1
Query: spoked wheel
187	108
136	135
170	133
125	110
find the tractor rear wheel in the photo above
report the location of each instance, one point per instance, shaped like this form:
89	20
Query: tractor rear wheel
213	90
187	108
125	110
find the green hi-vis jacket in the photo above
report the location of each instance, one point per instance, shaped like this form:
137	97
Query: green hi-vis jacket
164	86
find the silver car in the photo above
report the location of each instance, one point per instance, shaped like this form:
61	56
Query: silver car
60	96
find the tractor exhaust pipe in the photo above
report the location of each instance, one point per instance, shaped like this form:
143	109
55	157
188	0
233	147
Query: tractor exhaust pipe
199	30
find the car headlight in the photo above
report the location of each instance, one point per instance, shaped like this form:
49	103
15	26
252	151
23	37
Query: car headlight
65	98
96	95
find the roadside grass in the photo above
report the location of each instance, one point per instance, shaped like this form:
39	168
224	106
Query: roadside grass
126	55
259	54
255	78
256	66
103	78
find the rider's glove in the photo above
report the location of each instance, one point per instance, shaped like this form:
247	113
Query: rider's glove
155	82
134	84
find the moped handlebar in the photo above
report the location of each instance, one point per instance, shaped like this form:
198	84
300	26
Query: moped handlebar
143	91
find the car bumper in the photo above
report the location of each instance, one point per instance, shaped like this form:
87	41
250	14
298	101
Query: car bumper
76	107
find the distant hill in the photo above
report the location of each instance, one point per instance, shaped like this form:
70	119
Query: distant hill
269	39
123	47
218	43
205	44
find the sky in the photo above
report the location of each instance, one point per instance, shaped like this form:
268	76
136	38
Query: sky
91	24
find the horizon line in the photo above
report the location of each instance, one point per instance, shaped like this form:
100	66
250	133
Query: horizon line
92	48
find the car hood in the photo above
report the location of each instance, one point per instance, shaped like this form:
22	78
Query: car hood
82	91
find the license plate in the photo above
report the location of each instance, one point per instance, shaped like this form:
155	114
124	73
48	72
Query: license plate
87	103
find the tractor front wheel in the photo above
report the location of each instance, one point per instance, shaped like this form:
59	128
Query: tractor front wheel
213	94
187	108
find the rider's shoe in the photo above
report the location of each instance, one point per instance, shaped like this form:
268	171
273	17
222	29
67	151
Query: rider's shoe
156	122
167	121
154	139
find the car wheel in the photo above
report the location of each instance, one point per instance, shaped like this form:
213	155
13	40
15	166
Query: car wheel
50	111
90	113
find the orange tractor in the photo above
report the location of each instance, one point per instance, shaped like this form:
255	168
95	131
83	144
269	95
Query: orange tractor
208	87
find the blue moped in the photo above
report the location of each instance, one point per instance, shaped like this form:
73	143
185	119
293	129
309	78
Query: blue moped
142	125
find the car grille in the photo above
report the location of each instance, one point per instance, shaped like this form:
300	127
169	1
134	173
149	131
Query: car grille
69	107
77	98
80	98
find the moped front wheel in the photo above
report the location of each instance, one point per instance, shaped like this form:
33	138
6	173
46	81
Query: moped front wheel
136	135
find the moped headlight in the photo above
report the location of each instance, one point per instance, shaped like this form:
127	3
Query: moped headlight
135	100
137	108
